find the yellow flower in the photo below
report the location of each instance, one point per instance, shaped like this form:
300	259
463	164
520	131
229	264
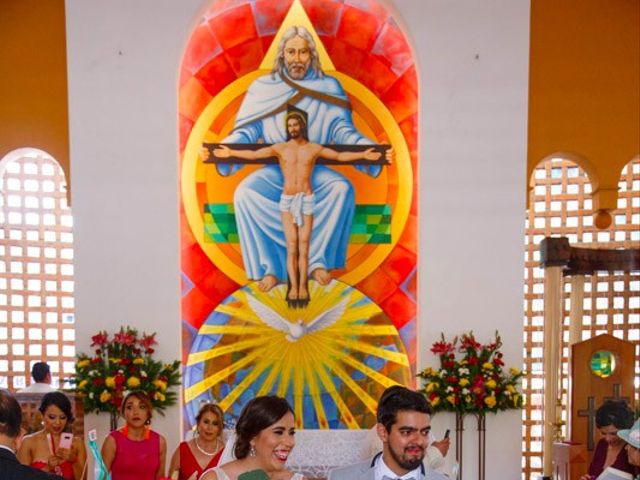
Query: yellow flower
515	400
114	360
463	382
160	397
82	384
83	363
451	399
105	396
168	367
467	399
138	361
435	401
431	386
133	382
161	384
511	388
428	372
463	362
110	382
490	384
487	366
490	401
514	371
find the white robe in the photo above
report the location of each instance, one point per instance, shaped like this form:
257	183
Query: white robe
262	117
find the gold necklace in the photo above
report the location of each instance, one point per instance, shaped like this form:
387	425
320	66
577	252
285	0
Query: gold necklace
203	451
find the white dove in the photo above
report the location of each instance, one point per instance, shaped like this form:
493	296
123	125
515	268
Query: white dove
295	331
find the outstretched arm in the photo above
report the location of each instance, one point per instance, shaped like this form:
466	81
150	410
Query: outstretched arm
331	154
226	152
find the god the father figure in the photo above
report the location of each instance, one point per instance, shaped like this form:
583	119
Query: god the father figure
297	78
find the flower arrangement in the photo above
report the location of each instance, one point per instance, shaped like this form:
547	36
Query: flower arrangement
121	364
477	383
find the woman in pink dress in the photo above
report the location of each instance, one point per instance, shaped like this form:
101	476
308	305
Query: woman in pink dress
135	452
43	450
204	450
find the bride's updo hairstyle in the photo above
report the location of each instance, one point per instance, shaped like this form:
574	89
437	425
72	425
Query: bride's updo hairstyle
258	414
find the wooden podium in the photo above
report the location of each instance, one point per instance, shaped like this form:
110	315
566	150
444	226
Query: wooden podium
589	390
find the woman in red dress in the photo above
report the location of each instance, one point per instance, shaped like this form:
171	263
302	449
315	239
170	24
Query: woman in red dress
203	451
42	450
135	452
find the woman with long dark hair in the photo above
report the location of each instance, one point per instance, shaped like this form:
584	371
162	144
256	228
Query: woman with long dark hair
264	439
47	450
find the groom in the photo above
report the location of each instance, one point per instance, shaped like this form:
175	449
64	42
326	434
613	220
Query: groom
404	422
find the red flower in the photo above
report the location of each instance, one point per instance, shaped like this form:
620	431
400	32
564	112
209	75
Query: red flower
125	361
98	381
469	343
442	348
116	400
452	379
124	338
99	339
96	360
148	340
448	364
149	351
472	361
119	379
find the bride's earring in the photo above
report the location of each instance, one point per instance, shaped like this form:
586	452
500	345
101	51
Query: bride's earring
252	451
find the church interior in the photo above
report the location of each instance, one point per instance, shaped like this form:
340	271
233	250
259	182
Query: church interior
524	218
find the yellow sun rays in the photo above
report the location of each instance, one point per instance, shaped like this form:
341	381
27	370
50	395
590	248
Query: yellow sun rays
306	366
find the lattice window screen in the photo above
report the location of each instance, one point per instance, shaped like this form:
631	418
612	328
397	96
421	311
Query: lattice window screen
36	270
560	205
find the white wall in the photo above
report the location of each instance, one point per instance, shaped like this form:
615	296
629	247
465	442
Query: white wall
123	59
474	73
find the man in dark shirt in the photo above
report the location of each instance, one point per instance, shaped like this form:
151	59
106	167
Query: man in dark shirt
10	467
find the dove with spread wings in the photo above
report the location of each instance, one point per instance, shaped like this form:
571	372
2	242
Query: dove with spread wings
296	330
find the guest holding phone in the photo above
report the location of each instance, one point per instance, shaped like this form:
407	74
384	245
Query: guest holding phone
54	449
203	451
135	452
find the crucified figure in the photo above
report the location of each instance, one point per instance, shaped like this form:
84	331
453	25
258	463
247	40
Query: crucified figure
297	157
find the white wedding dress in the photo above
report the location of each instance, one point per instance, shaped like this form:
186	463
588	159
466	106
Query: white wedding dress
223	476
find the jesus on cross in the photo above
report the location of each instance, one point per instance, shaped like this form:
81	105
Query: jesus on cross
297	157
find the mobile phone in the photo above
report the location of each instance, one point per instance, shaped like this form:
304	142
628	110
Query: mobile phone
446	434
65	440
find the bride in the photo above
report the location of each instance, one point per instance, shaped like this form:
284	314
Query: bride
264	439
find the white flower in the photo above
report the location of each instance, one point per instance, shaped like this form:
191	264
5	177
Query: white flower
143	374
463	371
91	395
465	391
442	373
449	389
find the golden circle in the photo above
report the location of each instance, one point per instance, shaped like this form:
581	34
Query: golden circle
193	171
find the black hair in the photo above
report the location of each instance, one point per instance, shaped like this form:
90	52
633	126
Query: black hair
397	398
61	401
39	371
10	415
616	413
258	414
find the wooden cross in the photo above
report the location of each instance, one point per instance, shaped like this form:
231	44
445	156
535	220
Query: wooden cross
273	160
616	394
590	412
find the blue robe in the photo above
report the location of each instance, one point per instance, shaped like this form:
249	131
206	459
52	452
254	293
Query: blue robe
261	118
